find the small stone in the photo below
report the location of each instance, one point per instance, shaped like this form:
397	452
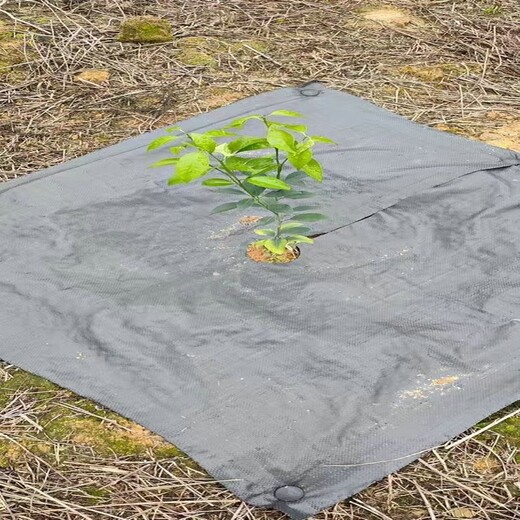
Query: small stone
389	16
145	29
463	512
96	76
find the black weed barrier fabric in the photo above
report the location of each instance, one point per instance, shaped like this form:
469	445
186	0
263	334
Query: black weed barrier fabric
295	385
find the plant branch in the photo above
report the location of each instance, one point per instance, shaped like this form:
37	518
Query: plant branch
239	183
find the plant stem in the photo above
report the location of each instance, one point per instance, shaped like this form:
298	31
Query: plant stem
278	225
229	173
226	171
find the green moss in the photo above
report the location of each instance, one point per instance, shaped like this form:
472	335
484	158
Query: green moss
245	46
107	435
493	10
21	380
14	453
204	51
145	29
512	487
13	49
103	138
42	20
461	69
4	449
167	452
195	57
98	429
199	51
438	72
202	42
509	429
95	494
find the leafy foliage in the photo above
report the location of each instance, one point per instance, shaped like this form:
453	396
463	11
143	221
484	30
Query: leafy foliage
254	166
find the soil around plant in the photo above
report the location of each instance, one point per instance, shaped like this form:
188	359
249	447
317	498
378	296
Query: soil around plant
259	253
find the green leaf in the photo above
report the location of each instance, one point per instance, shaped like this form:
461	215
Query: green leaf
295	128
215	183
266	220
245	203
301	129
165	162
290	225
219	133
275	194
309	217
203	142
280	139
250	165
314	169
276	246
265	232
223	149
161	141
295	176
305	145
261	144
231	190
245	143
173	128
278	208
301	230
299	184
304	208
268	169
255	190
322	139
300	159
239	123
299	194
190	167
299	239
225	207
268	182
173	180
286	113
176	150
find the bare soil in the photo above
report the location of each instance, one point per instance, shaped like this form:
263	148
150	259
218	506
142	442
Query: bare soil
261	254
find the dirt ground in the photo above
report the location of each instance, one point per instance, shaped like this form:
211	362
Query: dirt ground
69	86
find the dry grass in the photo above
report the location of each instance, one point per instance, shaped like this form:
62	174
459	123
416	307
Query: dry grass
48	472
446	63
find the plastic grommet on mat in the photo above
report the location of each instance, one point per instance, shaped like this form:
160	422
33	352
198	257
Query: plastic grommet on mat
289	493
309	92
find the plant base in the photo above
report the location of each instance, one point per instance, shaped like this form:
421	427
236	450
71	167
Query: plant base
259	253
